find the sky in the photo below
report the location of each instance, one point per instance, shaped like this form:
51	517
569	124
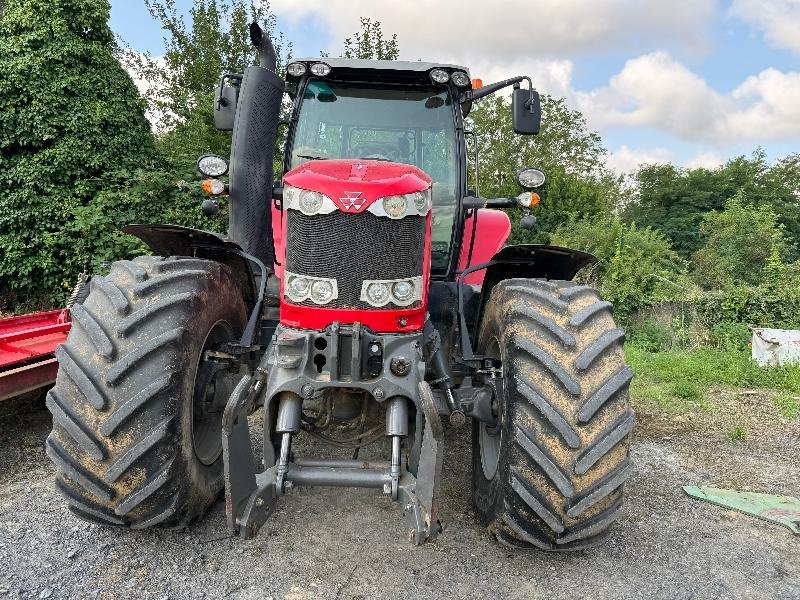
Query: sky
693	82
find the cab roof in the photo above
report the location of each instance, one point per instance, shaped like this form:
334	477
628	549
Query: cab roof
379	65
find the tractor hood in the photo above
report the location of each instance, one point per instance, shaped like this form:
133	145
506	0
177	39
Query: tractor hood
353	184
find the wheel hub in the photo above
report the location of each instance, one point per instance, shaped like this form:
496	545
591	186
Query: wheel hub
490	437
213	386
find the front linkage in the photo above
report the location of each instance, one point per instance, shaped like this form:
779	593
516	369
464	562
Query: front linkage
289	372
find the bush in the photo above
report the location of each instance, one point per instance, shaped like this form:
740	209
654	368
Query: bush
650	336
71	124
148	196
636	267
726	335
775	302
739	242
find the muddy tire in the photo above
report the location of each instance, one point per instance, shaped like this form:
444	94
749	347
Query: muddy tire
132	444
551	474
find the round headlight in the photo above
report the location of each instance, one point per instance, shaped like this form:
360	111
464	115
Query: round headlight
395	206
298	288
310	202
290	195
460	78
320	69
212	165
440	76
420	201
377	293
531	178
403	291
321	291
296	69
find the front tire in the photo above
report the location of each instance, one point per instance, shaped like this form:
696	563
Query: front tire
136	434
550	475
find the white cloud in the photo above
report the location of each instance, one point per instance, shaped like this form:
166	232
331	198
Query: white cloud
768	107
470	29
551	76
779	20
656	91
653	90
704	160
627	160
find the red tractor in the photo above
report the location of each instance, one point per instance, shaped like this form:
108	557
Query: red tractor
367	294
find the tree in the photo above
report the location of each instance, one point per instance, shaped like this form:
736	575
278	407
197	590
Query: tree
370	43
71	124
739	242
675	200
572	156
215	41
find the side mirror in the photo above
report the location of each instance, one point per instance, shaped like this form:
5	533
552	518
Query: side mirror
225	100
526	109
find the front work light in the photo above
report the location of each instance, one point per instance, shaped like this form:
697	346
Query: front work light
212	165
322	291
530	178
377	293
460	78
403	291
440	76
307	202
395	206
320	69
296	69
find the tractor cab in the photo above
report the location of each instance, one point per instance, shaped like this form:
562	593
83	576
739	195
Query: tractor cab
389	111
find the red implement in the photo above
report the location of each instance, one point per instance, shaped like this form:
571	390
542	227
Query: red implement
27	350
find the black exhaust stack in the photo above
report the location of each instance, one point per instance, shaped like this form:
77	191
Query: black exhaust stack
252	152
267	58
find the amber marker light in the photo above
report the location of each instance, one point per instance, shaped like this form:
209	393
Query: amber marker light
214	187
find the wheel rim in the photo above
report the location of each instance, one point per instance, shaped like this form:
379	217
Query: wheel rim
490	439
210	395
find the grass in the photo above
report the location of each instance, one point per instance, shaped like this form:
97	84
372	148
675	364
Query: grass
678	379
738	434
788	405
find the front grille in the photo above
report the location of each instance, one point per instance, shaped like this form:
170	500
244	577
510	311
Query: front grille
353	247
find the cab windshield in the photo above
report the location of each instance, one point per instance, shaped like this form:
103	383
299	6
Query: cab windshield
399	124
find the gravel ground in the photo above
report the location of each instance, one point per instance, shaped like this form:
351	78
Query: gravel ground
326	543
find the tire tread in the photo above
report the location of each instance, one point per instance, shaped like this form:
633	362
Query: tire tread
570	417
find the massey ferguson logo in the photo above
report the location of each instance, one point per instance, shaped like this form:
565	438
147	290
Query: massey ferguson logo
352	201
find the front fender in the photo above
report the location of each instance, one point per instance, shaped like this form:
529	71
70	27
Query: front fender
174	240
529	261
535	261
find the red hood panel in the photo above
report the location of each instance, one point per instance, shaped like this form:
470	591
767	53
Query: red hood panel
368	179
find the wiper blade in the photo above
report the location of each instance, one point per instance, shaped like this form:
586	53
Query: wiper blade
374	158
309	157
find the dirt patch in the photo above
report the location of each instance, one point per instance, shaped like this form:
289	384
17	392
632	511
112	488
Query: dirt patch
327	543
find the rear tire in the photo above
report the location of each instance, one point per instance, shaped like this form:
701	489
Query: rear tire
123	404
550	475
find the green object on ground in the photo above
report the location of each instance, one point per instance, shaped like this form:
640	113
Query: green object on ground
783	510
